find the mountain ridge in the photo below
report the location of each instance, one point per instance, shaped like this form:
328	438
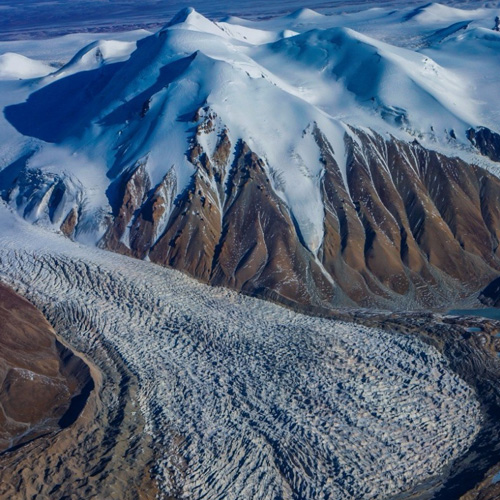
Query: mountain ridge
312	180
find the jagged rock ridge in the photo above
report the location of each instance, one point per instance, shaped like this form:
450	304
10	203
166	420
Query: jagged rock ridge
409	222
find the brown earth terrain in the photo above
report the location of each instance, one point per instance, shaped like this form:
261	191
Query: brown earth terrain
43	385
67	429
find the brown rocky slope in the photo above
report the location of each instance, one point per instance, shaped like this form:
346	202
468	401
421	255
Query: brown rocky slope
68	428
43	385
404	225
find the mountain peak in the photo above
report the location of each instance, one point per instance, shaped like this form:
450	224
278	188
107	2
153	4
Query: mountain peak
437	12
304	14
188	15
183	15
190	19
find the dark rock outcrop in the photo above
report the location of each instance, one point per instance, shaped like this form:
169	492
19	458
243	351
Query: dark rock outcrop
402	225
486	141
490	295
132	188
69	224
259	248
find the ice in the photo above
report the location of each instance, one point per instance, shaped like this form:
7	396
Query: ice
245	398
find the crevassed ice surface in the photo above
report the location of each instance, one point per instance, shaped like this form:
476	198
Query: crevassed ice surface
246	398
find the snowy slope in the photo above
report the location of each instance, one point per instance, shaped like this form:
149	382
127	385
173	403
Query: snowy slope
16	66
472	55
403	86
96	54
290	89
330	77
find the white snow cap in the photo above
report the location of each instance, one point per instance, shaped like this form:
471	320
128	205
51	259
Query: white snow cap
18	67
270	83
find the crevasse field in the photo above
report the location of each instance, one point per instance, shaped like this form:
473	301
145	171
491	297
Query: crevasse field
247	399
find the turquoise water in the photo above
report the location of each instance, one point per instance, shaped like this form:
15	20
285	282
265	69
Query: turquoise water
496	478
490	313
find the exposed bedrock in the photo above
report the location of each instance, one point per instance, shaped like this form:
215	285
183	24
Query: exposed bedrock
486	141
399	225
403	225
490	295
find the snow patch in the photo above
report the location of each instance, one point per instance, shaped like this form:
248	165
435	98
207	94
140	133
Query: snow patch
18	67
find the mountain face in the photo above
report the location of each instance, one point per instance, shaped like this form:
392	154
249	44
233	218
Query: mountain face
312	166
406	222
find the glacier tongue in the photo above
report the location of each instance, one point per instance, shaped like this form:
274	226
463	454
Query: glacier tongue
245	398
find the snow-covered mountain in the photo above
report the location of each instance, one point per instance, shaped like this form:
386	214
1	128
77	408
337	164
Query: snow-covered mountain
295	158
